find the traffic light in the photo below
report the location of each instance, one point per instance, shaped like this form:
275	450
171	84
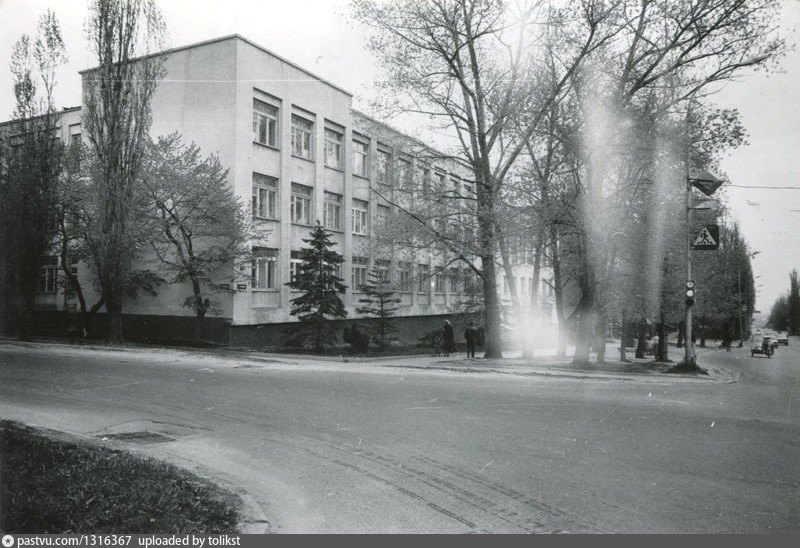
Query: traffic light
689	293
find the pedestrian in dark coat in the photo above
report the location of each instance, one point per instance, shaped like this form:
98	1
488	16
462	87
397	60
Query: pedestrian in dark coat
448	339
471	336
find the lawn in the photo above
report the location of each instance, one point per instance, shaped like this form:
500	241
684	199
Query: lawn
52	486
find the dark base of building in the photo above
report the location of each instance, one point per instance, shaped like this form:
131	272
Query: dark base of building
179	330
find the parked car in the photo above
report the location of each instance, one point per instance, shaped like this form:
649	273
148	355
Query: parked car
783	339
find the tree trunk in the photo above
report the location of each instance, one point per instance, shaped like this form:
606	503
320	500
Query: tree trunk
640	338
623	337
198	324
662	353
558	293
492	309
585	333
114	311
600	337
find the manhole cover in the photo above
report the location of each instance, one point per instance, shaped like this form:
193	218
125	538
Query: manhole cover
142	437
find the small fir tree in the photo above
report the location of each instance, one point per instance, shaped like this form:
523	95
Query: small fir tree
380	301
321	288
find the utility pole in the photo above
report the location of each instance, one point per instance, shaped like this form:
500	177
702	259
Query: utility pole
708	239
688	345
739	301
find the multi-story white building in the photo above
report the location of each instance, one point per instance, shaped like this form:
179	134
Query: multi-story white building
299	153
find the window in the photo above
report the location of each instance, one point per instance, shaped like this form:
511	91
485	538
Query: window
332	215
294	265
383	214
265	123
360	216
383	171
423	180
471	283
438	282
265	196
383	268
452	276
405	173
73	156
74	152
360	158
71	287
404	276
424	281
301	136
360	266
301	204
265	268
456	185
48	274
439	179
333	149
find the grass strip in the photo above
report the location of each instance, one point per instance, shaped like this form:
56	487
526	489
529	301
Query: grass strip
54	486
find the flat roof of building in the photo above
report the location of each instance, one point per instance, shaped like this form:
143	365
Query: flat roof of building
251	43
58	112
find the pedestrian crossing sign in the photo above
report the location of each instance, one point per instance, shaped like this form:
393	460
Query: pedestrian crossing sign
708	239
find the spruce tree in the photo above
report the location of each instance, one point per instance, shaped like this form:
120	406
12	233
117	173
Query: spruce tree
379	301
321	288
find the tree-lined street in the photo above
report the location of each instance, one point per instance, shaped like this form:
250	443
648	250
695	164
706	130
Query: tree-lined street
351	447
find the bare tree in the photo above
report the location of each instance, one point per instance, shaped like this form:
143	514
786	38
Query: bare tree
472	65
29	182
661	57
116	121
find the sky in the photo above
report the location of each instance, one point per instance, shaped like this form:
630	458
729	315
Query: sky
317	35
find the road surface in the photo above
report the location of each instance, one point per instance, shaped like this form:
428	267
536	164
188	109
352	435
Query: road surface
358	448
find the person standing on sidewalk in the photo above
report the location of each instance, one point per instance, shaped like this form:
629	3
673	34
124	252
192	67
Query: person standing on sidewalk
448	339
471	336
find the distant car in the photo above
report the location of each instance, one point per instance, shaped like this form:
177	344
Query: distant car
783	339
764	348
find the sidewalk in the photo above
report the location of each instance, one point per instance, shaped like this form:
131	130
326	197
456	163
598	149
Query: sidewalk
545	363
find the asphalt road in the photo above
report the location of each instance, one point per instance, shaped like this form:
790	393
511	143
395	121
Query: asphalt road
345	448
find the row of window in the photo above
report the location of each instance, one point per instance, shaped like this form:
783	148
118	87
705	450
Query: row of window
265	205
265	277
266	132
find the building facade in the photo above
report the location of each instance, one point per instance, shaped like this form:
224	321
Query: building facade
297	153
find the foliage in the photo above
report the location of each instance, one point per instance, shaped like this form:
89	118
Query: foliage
321	288
379	301
457	63
358	340
29	178
116	119
779	314
53	486
794	303
201	233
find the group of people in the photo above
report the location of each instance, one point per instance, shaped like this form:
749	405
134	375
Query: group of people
471	336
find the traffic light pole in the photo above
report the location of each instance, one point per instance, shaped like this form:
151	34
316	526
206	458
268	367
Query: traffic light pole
688	357
688	346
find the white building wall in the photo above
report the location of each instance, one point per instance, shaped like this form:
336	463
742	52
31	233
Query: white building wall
207	96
